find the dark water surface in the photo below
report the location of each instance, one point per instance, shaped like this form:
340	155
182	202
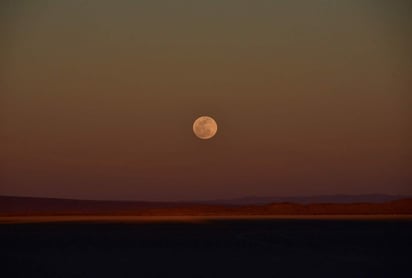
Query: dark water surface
243	248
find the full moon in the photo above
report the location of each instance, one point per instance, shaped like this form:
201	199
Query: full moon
205	127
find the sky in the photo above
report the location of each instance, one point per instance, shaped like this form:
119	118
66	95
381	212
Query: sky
98	98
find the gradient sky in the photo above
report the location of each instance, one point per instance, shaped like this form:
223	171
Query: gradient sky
98	98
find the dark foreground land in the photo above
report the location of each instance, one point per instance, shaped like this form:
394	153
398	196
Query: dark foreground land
220	248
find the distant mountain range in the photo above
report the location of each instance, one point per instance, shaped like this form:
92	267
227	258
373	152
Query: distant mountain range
318	199
320	205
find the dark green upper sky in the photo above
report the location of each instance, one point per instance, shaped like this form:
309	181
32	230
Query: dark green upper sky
98	98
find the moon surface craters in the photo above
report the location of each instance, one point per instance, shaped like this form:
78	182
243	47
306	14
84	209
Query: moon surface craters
205	127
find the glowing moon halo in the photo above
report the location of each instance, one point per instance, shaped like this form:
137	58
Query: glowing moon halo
205	127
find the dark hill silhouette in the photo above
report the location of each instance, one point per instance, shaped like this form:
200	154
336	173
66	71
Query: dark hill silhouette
26	206
318	199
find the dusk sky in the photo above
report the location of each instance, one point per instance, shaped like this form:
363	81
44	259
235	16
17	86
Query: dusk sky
98	98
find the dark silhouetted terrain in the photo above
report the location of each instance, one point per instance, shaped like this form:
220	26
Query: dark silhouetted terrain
213	247
21	206
335	199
